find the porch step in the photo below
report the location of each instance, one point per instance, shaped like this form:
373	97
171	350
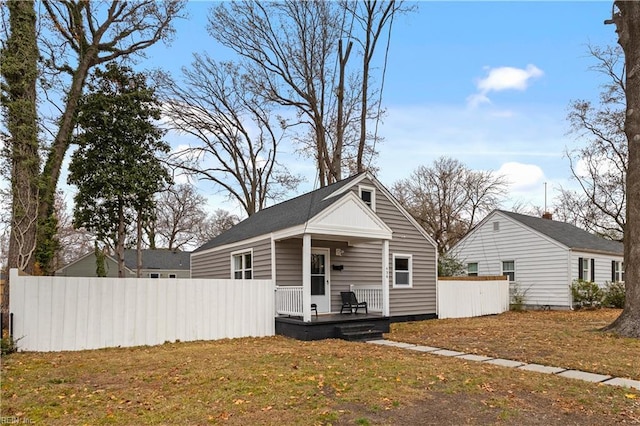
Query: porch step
358	332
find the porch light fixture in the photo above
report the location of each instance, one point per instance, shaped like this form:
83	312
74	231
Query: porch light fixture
339	252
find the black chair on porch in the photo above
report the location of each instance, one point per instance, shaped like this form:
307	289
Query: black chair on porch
350	301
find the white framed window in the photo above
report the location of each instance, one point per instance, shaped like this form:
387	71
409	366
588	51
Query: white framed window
472	269
402	270
617	271
368	195
586	269
242	264
154	275
509	269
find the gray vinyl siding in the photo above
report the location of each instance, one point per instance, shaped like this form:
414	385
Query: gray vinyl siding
356	270
406	239
86	267
541	265
217	264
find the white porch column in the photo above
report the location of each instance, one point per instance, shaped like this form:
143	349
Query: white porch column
306	278
385	278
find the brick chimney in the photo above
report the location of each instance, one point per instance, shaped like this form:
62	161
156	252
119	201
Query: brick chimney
547	215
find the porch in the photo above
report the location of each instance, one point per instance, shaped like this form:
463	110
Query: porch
333	326
350	326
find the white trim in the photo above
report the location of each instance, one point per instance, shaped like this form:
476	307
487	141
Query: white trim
306	278
327	276
232	255
273	259
514	269
372	190
380	230
224	247
410	271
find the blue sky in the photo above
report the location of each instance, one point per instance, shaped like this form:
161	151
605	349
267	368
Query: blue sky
487	83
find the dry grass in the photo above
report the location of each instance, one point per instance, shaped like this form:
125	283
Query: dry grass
279	381
564	339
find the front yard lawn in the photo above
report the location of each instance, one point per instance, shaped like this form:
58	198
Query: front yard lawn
280	381
568	339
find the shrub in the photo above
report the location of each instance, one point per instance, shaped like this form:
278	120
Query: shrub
518	296
7	344
449	266
586	294
614	294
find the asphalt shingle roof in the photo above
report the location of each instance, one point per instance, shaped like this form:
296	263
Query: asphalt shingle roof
293	212
567	234
159	259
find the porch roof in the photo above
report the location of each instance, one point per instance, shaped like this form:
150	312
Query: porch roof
288	214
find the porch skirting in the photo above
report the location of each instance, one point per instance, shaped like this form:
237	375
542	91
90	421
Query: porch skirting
325	326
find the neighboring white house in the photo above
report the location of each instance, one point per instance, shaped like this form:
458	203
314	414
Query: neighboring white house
541	256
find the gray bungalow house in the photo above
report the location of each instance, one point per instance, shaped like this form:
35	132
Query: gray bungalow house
349	236
155	264
543	256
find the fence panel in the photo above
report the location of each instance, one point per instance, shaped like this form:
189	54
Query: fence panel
71	313
464	298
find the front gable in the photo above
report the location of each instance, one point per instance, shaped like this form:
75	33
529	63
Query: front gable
349	217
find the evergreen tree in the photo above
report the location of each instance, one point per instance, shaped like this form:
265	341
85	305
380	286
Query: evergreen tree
115	167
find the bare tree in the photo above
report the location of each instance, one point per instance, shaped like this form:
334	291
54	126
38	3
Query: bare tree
626	17
220	221
238	140
600	167
180	212
448	199
73	242
82	35
293	52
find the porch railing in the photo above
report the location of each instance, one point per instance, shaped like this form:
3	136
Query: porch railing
289	300
372	294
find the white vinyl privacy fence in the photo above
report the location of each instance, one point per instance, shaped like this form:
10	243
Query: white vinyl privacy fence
70	313
465	297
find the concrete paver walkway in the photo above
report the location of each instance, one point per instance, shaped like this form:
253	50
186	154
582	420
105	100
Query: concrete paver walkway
545	369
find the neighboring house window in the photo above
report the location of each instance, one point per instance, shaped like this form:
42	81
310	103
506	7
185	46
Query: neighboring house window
472	269
368	195
154	275
242	264
586	269
509	269
617	271
172	276
402	270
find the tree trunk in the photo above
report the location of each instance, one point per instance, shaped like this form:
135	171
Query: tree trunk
120	242
627	22
19	69
47	228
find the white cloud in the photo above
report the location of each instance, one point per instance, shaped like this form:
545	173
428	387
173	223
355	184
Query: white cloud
522	177
503	78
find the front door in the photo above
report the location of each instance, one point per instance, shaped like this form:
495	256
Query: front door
320	291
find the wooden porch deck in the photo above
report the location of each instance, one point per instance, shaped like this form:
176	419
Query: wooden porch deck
327	326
